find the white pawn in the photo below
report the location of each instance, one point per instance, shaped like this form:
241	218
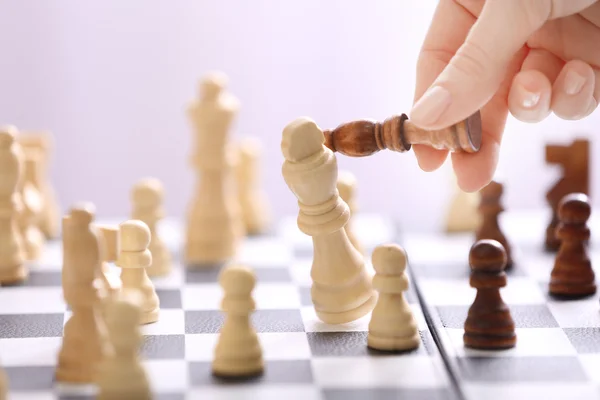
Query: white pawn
392	326
121	374
238	353
134	257
463	214
33	206
346	186
147	205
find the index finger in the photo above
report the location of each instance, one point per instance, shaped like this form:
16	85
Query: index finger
448	30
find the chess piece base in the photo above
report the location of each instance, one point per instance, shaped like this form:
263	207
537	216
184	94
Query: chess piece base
150	317
573	291
393	343
350	315
15	275
489	342
235	369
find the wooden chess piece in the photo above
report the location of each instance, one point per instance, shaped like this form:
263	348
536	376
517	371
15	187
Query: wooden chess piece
364	137
238	353
489	325
33	206
134	257
462	215
3	385
392	326
83	346
214	223
490	208
253	201
109	236
341	290
122	374
49	220
574	160
346	186
147	198
572	275
12	253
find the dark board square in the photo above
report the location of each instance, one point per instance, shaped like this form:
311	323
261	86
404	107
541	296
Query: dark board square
44	279
345	344
30	378
169	298
169	396
211	275
31	325
275	372
585	340
163	347
525	316
262	320
521	369
460	271
390	394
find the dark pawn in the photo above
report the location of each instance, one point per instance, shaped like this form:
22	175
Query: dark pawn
490	208
572	276
489	325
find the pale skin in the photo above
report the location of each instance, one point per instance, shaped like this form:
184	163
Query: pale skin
527	57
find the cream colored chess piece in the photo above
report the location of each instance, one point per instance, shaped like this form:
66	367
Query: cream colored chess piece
214	222
134	257
12	253
109	234
341	290
253	201
122	375
3	384
346	186
147	205
392	326
33	206
238	352
463	215
50	215
83	345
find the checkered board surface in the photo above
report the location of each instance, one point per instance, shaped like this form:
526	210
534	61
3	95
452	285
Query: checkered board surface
305	359
558	341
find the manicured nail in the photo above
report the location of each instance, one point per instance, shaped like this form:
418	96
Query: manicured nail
573	82
431	106
528	99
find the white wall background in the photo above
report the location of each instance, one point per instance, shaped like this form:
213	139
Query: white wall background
111	80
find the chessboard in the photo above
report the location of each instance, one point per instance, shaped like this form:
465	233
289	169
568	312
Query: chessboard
557	355
304	358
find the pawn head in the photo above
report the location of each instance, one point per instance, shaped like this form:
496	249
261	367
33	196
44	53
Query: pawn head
301	139
237	280
574	208
83	213
389	259
487	256
134	236
213	84
147	191
8	136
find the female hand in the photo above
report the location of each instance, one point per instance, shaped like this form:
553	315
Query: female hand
529	57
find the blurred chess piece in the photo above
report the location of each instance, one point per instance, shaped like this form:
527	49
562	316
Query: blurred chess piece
12	253
49	221
33	206
147	199
253	200
346	186
463	215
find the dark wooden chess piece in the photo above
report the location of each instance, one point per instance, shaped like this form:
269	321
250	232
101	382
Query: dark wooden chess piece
363	138
490	207
572	276
489	324
574	160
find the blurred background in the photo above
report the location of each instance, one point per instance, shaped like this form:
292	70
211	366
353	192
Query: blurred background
111	80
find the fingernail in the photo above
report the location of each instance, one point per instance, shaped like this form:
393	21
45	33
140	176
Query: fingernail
573	82
528	99
431	106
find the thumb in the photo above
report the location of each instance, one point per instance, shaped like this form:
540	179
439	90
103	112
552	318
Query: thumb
478	68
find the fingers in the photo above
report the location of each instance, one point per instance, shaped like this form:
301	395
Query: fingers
477	69
530	96
573	92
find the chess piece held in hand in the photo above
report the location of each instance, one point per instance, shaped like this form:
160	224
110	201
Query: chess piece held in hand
392	326
363	138
238	353
572	275
489	324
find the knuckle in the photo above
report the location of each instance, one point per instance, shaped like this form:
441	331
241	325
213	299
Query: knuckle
473	61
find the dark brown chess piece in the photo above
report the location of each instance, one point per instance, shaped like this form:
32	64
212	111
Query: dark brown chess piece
489	324
363	138
572	275
490	207
574	160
